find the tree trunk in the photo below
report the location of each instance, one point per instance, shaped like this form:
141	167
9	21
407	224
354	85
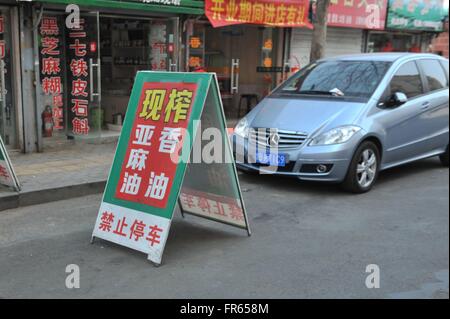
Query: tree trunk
319	38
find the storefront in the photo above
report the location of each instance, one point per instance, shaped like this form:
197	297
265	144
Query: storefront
246	43
398	41
348	22
410	27
10	113
86	71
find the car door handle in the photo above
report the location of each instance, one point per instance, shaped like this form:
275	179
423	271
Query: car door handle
425	105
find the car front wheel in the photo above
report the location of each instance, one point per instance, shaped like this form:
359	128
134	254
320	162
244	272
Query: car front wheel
364	168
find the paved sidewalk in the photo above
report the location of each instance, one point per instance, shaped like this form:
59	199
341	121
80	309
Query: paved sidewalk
73	169
65	169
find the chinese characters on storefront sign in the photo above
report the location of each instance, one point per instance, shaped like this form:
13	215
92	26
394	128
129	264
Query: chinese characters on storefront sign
79	95
282	13
51	66
150	161
195	58
364	14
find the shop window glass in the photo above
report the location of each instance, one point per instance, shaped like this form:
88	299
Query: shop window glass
407	80
434	73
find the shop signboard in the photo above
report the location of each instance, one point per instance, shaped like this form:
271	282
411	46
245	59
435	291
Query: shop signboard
52	67
80	55
7	175
156	165
360	14
416	15
281	13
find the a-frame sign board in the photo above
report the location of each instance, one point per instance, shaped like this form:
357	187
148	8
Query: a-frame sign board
7	175
162	159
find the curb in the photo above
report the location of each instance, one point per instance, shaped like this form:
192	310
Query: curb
42	196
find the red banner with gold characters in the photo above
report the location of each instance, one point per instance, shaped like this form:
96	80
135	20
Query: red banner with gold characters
281	13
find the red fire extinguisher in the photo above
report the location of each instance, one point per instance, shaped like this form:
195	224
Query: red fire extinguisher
47	121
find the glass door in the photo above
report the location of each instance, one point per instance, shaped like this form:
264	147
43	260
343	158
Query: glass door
7	109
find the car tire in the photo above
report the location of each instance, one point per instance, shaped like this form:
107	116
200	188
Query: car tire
249	172
444	158
363	170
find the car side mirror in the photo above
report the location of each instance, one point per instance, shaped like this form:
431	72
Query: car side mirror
396	99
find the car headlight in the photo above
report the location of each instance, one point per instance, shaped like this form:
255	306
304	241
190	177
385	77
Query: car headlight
338	135
242	128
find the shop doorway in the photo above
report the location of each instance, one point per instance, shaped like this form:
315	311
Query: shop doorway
128	45
248	60
8	124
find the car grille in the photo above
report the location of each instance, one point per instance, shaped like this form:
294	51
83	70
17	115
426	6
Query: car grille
287	139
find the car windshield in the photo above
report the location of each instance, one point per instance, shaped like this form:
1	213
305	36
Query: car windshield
337	78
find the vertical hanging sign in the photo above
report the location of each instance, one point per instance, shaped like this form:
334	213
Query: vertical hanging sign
151	160
78	79
7	175
51	61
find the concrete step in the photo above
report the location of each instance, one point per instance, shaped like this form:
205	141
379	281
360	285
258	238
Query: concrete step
10	200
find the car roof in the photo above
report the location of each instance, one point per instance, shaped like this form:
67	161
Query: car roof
387	57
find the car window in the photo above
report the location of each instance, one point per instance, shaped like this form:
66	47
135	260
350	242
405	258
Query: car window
337	78
407	80
434	74
444	64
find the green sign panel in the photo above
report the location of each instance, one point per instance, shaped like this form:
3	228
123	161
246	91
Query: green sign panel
173	150
416	15
7	175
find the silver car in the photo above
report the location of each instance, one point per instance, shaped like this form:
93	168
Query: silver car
345	119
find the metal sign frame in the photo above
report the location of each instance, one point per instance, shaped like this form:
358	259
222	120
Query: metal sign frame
9	167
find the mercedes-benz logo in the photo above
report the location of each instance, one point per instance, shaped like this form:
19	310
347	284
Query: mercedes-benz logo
273	139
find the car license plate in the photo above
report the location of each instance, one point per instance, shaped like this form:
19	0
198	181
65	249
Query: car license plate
272	159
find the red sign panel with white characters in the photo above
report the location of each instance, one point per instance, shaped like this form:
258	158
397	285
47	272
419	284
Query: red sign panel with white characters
361	14
157	134
281	13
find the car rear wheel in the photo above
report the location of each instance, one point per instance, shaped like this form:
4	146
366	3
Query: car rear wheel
364	167
444	158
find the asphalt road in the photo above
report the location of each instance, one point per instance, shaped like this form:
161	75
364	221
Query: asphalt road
309	241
